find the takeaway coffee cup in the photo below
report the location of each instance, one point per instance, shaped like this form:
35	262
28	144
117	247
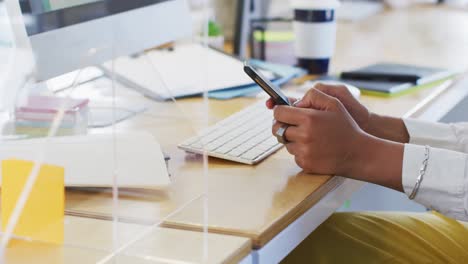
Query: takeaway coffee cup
315	30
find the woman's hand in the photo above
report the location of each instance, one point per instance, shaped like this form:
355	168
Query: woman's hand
270	103
359	112
383	127
323	137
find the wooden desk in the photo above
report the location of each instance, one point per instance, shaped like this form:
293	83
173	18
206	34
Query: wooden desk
94	241
260	202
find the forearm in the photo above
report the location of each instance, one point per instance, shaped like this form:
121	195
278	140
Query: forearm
378	161
389	128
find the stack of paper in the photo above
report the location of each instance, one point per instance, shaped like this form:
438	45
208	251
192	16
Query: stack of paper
187	70
36	116
90	161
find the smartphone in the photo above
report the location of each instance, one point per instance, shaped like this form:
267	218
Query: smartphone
271	89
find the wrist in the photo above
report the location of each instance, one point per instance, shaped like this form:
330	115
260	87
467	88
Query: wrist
357	156
377	161
373	126
389	128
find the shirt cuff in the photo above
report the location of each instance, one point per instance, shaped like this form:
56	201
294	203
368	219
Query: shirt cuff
433	134
443	186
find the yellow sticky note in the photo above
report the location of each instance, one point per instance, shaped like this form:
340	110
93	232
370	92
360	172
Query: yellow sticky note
43	215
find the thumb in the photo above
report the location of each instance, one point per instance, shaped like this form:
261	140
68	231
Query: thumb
318	100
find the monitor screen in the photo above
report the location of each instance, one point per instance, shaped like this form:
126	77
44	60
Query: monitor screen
55	14
52	5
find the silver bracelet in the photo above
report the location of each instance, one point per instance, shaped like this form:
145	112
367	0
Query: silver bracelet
422	172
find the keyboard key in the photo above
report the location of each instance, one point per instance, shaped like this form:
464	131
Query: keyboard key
213	136
271	141
252	154
232	144
261	137
263	147
213	146
244	147
236	152
223	150
253	142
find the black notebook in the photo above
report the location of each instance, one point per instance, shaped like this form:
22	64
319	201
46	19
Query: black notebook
396	73
392	79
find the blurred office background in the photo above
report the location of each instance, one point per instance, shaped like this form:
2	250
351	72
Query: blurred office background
225	10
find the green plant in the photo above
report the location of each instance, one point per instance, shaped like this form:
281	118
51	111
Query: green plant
214	30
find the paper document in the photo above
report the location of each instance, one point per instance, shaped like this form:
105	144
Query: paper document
189	69
89	160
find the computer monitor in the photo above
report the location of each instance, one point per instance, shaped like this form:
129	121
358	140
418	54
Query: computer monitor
246	11
66	35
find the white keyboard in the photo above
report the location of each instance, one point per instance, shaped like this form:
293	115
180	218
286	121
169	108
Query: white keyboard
244	137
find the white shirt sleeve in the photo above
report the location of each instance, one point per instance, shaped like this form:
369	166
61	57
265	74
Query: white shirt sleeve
445	184
446	136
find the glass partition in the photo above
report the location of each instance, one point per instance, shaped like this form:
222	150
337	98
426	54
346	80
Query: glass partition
91	128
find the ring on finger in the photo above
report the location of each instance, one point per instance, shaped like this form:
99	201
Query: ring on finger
281	134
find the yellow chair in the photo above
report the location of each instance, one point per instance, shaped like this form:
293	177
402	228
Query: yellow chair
386	237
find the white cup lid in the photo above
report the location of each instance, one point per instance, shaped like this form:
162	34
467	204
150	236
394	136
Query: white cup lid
315	4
